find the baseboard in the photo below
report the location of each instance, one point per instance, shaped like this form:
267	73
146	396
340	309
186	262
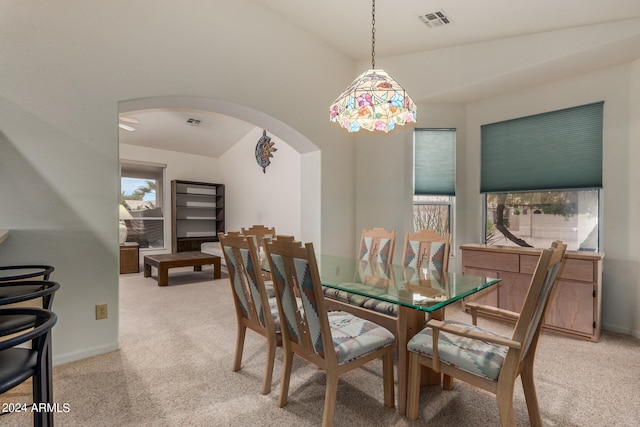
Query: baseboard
623	331
72	357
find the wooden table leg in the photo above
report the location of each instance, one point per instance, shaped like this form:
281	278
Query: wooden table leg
147	270
217	269
447	381
163	275
197	268
427	375
410	322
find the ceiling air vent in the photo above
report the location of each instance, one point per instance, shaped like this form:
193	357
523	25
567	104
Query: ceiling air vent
435	19
193	122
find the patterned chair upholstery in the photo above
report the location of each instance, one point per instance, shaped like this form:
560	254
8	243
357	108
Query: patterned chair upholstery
476	357
375	252
424	252
260	233
429	247
370	273
255	309
337	341
376	245
485	359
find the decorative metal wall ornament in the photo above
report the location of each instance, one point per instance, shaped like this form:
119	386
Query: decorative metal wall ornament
264	148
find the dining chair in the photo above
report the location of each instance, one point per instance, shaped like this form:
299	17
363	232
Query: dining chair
375	252
428	250
26	290
17	293
377	245
261	232
10	273
483	358
425	254
423	249
19	363
17	286
334	341
254	309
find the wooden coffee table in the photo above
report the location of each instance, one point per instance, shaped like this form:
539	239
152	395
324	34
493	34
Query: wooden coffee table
164	262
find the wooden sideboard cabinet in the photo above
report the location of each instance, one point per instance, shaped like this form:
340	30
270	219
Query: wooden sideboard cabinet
575	304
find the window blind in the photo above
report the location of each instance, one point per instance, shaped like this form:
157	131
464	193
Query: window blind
558	150
142	170
434	169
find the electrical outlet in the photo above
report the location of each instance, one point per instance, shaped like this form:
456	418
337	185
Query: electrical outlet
101	311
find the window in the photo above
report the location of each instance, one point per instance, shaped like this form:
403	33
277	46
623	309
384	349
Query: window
538	218
141	193
541	176
434	175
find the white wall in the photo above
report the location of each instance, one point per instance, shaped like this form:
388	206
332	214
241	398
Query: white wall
311	204
381	196
631	290
384	168
620	281
273	197
181	166
384	173
67	65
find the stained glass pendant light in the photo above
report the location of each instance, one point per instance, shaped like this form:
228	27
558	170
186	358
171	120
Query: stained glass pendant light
374	101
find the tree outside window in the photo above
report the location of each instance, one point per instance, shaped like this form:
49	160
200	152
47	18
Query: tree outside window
432	213
535	219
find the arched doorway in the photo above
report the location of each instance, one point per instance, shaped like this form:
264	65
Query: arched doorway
309	154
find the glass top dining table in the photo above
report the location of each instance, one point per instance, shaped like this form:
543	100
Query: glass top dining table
423	290
418	294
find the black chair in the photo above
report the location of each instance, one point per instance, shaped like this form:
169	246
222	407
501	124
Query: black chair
23	272
26	290
18	364
16	292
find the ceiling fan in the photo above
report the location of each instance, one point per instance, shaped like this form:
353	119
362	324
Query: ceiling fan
126	122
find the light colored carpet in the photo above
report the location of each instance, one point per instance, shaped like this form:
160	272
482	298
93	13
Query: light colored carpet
174	369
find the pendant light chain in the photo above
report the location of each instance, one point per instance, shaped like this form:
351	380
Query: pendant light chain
373	35
373	101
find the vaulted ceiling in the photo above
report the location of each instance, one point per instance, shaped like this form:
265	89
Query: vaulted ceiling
402	27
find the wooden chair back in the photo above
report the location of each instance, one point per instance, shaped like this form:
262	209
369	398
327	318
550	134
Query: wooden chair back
250	297
527	329
485	359
295	272
261	232
426	249
377	245
310	331
243	264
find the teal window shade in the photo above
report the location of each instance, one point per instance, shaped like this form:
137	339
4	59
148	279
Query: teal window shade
558	150
434	157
